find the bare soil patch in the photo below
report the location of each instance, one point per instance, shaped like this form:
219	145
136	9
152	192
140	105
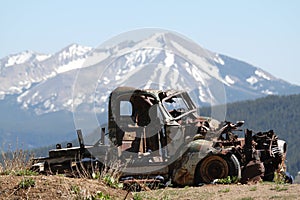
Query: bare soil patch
59	187
234	191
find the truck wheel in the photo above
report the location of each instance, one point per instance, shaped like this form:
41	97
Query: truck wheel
234	166
212	167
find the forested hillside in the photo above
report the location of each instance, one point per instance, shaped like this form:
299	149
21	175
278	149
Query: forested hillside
280	113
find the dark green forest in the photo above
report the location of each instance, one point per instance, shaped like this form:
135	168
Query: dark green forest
279	113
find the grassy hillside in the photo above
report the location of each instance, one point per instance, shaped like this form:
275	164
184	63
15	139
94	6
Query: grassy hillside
279	113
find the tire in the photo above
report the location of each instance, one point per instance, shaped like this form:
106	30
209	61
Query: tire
211	168
234	166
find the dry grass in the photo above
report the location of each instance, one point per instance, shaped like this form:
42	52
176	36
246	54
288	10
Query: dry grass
16	182
95	182
14	161
57	187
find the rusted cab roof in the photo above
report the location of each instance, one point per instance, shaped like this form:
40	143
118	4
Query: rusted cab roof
157	94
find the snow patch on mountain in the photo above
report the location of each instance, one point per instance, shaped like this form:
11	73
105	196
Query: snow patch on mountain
199	61
2	95
169	60
192	70
19	58
23	57
14	89
75	64
73	51
229	80
219	60
42	57
261	74
252	80
268	92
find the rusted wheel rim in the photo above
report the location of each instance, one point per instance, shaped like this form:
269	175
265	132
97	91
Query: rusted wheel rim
213	167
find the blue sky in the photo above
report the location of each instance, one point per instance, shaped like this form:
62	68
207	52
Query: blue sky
262	33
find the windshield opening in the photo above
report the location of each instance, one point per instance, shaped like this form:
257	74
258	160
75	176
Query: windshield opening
178	105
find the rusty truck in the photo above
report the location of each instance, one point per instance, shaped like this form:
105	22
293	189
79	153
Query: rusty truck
158	135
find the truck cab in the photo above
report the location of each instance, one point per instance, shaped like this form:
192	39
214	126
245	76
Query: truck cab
160	133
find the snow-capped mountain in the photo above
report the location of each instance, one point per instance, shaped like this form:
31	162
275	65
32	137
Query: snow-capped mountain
20	72
80	78
161	60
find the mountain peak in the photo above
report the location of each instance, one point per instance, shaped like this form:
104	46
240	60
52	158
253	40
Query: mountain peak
22	57
174	60
73	50
18	58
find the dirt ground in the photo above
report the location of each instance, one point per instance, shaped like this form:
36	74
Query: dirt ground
59	187
234	191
